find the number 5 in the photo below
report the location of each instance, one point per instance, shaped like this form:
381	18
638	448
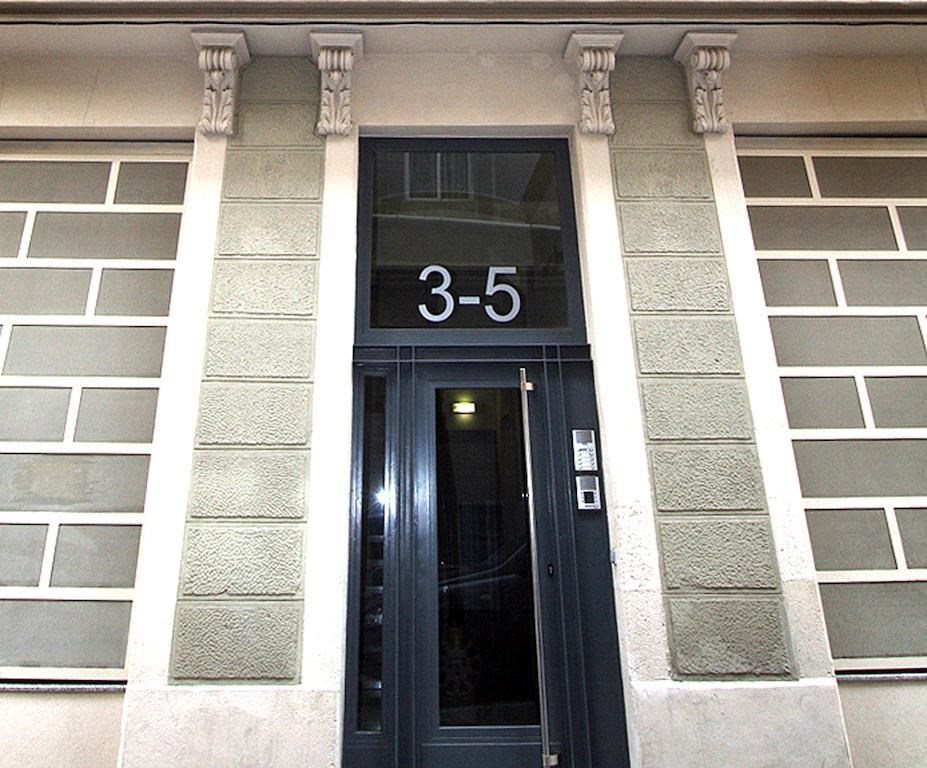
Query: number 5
493	288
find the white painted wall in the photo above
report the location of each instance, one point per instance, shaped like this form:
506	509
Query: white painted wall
88	97
885	722
54	730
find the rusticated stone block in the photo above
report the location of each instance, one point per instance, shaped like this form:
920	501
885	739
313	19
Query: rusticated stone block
265	288
237	640
718	554
273	174
647	78
243	561
728	637
276	125
654	125
264	484
696	409
268	229
661	227
259	349
687	345
678	285
280	78
707	478
661	174
254	414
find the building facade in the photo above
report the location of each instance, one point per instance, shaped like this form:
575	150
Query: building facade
405	384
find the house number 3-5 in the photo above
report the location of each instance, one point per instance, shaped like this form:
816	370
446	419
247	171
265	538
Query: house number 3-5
492	288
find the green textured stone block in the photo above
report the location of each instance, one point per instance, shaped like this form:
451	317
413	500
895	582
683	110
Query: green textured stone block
264	288
687	345
707	478
254	414
255	229
662	175
661	227
696	409
259	349
678	285
742	637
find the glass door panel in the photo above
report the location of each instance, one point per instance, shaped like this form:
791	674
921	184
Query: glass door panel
487	661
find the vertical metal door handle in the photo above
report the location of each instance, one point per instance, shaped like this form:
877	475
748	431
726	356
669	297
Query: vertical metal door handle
547	759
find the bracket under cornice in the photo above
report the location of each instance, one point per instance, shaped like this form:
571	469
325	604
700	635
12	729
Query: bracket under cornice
335	54
705	56
593	53
222	56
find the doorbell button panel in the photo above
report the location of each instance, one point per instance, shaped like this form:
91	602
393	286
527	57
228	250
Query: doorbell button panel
587	492
584	455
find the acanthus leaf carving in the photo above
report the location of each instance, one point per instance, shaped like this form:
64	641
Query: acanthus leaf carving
706	57
594	55
336	65
222	55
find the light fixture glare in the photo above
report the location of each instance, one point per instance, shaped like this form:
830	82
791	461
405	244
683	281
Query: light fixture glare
464	406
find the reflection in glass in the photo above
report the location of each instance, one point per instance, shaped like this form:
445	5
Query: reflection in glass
374	501
487	666
466	211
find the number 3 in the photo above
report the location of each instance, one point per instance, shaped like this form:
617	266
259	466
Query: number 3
492	288
441	291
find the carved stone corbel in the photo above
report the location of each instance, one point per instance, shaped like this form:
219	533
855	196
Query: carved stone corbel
705	57
594	55
335	55
222	57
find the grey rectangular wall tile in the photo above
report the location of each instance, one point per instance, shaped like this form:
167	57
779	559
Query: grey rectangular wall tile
265	288
707	479
253	229
67	633
280	78
21	549
773	176
242	560
661	227
105	235
72	483
31	181
821	228
881	619
662	174
646	78
254	414
43	291
884	282
11	230
654	125
273	174
677	285
151	183
116	415
912	523
96	556
276	125
687	345
33	413
819	403
797	283
237	641
861	467
37	350
847	341
898	401
265	484
138	292
259	349
696	409
718	554
848	539
871	176
729	637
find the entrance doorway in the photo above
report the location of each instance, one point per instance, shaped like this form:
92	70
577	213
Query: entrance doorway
481	628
